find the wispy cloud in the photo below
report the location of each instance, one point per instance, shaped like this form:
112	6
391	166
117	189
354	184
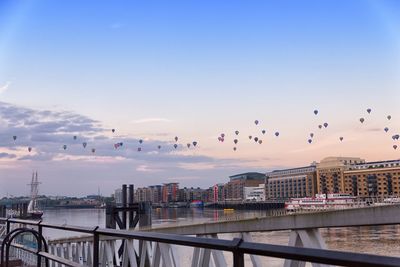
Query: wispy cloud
4	87
151	120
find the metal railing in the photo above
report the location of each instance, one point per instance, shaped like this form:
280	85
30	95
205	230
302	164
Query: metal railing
238	247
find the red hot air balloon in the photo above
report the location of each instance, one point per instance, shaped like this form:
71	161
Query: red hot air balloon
260	141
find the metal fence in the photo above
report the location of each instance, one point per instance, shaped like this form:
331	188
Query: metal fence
237	247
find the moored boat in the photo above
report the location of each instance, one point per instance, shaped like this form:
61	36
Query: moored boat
321	201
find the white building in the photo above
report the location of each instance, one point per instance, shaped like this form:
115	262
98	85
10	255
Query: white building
256	193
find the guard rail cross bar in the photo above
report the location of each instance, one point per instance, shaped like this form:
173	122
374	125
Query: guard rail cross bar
237	246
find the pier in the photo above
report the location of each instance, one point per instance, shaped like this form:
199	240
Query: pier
94	246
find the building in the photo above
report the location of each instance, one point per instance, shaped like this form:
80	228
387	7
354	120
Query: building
118	196
381	179
330	173
255	193
142	194
288	183
170	192
218	193
155	192
234	189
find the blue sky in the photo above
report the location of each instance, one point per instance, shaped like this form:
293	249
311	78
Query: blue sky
157	69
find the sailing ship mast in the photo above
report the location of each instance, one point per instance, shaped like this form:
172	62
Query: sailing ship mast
34	192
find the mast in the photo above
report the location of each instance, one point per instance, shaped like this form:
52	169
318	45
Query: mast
34	190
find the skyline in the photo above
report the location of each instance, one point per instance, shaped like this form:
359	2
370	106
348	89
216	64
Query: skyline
194	70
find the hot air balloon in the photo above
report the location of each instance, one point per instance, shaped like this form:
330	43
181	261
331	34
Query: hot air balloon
362	120
315	112
235	141
320	126
65	147
395	146
237	132
29	149
325	125
75	137
194	143
389	117
176	138
188	145
309	141
386	129
93	150
222	135
113	130
341	138
276	134
397	137
116	146
256	122
15	137
175	146
263	131
369	110
220	138
139	149
121	144
311	135
260	141
250	137
159	147
140	141
84	144
256	139
234	149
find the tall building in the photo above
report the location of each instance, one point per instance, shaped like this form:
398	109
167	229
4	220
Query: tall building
330	173
155	192
381	178
170	192
296	182
218	193
234	189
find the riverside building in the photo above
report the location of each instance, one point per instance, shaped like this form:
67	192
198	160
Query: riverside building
234	189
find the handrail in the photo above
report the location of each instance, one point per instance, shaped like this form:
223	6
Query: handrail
237	247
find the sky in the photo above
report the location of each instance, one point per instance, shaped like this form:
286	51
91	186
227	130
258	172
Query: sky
153	70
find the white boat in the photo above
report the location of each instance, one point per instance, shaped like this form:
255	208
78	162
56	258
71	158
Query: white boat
33	211
321	201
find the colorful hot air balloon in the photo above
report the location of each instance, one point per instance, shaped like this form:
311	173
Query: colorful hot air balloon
237	132
15	137
256	139
369	110
309	141
65	147
315	112
29	149
84	144
341	138
116	146
311	135
176	138
276	134
175	146
362	120
194	143
386	129
93	150
325	124
263	131
222	135
389	117
256	122
235	141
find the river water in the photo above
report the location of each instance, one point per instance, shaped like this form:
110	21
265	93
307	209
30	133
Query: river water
382	240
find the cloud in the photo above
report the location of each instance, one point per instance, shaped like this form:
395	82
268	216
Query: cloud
4	87
151	120
7	155
116	25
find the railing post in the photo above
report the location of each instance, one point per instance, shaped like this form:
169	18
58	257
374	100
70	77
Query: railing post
8	225
238	256
40	231
96	247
